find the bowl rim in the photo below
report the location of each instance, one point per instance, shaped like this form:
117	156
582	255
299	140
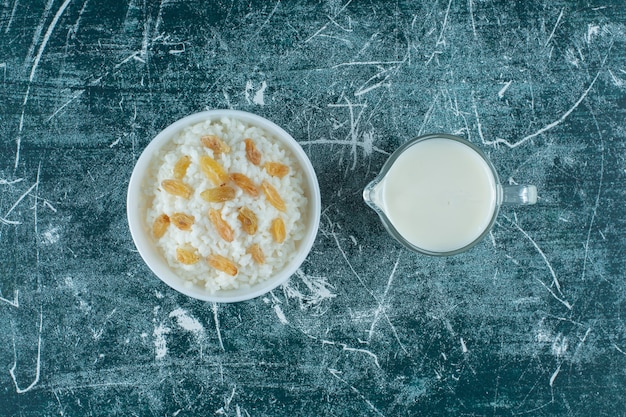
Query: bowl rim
140	231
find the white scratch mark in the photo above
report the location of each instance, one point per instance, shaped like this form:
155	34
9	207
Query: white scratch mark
558	20
345	257
471	10
358	277
618	82
258	96
331	20
15	3
463	346
366	63
46	37
33	69
382	83
51	235
354	135
381	306
7	182
19	200
543	255
365	145
146	37
217	326
178	51
160	344
227	401
279	313
365	351
597	202
249	88
78	93
118	65
187	322
515	261
440	39
559	346
319	286
582	341
592	30
351	349
50	206
543	129
9	222
74	29
479	126
554	375
115	142
38	366
428	114
38	30
336	374
323	28
269	17
98	334
618	349
503	89
334	22
35	222
564	302
15	302
227	98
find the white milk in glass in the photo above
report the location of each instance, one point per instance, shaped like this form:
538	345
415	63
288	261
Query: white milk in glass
439	194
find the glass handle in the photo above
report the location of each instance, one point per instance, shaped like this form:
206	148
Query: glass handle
519	194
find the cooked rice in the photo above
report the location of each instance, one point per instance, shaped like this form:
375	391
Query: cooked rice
203	237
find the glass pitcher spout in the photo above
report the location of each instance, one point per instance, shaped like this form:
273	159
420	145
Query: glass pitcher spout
372	195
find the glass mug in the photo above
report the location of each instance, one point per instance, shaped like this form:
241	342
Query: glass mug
440	195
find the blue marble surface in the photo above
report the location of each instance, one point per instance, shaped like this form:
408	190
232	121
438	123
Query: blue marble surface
529	322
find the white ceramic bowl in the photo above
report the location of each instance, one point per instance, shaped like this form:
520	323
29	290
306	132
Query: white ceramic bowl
141	231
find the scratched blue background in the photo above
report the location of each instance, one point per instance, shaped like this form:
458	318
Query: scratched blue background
529	322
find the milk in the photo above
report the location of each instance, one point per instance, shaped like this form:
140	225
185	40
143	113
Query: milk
439	194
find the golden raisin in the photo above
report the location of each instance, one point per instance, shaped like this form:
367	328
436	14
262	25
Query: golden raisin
222	228
187	256
273	197
218	194
244	183
222	264
183	221
217	145
278	230
249	222
276	169
177	188
213	170
159	227
252	153
180	168
257	253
